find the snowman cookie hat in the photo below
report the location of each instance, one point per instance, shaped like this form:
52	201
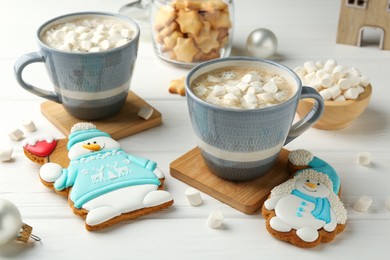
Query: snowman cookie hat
303	157
84	131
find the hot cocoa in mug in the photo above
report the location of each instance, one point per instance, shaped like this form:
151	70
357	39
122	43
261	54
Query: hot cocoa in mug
89	58
242	112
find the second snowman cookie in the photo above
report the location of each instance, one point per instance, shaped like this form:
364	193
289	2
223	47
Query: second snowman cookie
306	209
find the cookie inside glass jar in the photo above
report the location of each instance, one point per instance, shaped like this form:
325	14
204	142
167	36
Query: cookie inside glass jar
187	32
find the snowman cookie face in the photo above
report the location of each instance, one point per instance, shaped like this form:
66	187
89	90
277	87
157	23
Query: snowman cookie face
312	187
92	145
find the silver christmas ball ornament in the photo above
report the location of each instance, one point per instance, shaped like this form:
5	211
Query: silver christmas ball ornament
261	43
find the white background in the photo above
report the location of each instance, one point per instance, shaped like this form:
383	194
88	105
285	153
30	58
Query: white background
306	30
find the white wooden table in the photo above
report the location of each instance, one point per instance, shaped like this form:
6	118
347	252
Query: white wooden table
306	30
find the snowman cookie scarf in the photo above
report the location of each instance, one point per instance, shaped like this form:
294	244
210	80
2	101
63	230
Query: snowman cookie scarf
306	209
104	184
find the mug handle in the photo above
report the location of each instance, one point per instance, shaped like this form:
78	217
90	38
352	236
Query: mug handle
311	117
19	66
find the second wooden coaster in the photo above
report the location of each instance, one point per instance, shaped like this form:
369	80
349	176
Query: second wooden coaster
126	122
247	196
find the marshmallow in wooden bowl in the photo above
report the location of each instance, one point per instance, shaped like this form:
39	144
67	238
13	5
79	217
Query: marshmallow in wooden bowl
346	92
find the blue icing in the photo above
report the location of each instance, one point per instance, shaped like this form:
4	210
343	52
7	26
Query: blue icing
300	209
321	166
321	205
299	215
93	175
303	203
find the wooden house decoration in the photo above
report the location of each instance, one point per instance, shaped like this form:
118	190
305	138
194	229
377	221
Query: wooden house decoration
358	15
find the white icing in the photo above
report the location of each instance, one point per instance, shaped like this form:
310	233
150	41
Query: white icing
50	172
156	197
105	143
307	234
279	225
158	172
34	140
124	200
300	157
287	208
100	215
290	202
82	126
10	221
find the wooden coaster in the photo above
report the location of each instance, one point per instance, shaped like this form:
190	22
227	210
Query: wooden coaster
126	122
246	197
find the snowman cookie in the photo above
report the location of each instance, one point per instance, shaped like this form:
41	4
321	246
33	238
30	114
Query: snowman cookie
306	209
104	184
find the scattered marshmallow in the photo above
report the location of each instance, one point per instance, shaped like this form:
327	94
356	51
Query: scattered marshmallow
364	81
219	91
334	91
193	197
325	94
341	80
215	219
300	71
364	158
212	78
340	98
353	73
310	66
344	84
351	93
200	90
145	112
339	72
326	81
319	64
270	87
266	97
16	134
29	125
331	63
360	89
250	77
250	98
6	154
362	204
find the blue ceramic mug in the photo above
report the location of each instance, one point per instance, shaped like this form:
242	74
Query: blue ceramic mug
243	144
89	85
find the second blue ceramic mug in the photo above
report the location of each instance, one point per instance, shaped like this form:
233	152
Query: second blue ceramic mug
243	144
89	85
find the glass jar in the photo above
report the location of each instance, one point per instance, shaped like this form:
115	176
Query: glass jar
187	32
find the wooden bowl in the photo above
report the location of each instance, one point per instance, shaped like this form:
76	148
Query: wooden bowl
337	115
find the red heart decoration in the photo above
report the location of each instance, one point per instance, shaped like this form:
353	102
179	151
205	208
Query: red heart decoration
41	148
